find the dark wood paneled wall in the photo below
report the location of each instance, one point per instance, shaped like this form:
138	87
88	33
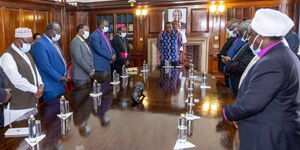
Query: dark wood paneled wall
200	23
35	14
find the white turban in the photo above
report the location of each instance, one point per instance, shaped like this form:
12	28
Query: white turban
270	22
23	33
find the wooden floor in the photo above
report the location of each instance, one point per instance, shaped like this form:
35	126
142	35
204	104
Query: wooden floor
115	123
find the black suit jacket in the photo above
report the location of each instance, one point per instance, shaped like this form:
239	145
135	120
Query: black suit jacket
268	103
237	66
223	52
3	86
118	47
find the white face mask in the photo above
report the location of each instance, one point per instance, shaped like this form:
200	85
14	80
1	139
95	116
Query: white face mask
26	47
105	29
123	35
256	51
86	34
231	34
56	38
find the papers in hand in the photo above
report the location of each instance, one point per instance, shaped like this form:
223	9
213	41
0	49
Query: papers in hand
37	140
64	116
183	145
95	94
17	132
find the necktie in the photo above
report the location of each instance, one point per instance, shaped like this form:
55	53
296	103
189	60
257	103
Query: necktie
60	54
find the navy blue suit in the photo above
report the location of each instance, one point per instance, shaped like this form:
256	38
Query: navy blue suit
267	103
102	52
3	86
50	66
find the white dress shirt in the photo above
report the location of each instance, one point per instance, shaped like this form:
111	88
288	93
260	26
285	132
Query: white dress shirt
184	40
10	68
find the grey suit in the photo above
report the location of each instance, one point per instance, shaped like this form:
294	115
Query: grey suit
82	61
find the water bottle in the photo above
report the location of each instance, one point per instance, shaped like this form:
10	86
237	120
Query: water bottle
95	86
147	67
32	128
114	76
98	88
62	105
38	128
182	129
191	85
191	65
190	126
144	65
191	73
190	106
124	71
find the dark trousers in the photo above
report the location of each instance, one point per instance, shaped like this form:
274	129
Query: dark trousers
103	76
79	83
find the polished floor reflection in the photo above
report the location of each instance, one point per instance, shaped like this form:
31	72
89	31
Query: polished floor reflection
114	122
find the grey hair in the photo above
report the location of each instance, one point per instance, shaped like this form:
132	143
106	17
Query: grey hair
243	27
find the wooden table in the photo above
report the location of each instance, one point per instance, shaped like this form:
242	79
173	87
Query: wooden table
115	123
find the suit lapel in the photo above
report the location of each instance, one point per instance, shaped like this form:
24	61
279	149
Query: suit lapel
84	45
53	50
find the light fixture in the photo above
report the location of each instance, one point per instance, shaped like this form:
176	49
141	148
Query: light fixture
141	14
131	2
217	9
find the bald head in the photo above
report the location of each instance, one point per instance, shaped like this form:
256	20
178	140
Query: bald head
53	26
53	29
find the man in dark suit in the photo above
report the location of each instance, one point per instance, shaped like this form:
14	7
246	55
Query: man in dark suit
293	41
120	45
235	67
81	57
268	102
5	95
103	53
50	61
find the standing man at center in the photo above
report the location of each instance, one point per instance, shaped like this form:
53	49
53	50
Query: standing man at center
51	63
103	52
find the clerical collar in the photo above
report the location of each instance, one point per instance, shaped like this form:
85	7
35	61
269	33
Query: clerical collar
265	50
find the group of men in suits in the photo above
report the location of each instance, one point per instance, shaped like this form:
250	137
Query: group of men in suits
266	76
41	75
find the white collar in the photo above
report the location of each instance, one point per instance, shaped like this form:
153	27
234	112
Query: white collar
14	47
80	38
48	38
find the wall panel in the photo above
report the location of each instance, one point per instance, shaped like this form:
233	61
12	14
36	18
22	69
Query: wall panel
28	19
42	19
12	21
200	20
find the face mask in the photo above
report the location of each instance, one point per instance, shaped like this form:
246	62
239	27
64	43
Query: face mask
256	51
123	35
105	29
86	34
26	47
56	38
231	34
